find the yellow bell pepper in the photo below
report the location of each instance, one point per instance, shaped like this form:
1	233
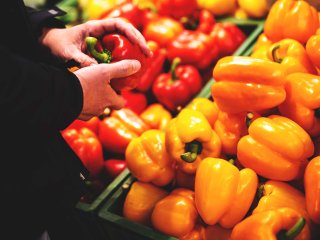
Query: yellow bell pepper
246	84
302	102
218	7
189	138
176	214
140	201
147	158
254	8
292	55
223	194
295	19
207	107
275	148
277	224
156	116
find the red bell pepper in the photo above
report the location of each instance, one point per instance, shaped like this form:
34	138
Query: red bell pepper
155	66
176	8
115	47
135	100
193	47
113	167
118	129
87	146
92	124
176	88
228	37
202	21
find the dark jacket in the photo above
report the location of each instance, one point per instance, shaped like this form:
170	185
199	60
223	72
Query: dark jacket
39	97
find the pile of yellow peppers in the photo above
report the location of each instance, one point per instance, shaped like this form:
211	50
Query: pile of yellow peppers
245	163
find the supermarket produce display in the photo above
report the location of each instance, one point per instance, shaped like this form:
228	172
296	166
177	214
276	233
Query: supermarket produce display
219	137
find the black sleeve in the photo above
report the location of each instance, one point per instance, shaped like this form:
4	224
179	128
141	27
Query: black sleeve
43	96
45	18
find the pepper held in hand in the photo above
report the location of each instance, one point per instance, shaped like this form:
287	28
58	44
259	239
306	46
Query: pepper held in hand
113	48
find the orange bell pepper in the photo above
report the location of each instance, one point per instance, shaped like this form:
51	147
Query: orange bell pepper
156	116
313	49
140	201
260	48
246	84
190	138
176	214
302	102
294	19
118	129
223	194
277	194
148	160
216	232
230	128
275	148
277	224
198	233
183	179
162	29
312	189
206	106
292	54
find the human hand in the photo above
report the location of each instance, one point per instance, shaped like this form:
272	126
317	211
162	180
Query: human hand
97	92
69	43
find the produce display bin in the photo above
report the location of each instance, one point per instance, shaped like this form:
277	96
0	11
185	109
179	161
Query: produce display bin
110	218
116	227
87	211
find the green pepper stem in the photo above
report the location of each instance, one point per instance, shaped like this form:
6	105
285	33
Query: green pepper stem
194	149
293	232
103	57
176	61
274	54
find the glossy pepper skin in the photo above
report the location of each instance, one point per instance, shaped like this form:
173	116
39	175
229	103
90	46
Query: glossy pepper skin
148	160
113	167
223	194
156	116
275	148
92	124
193	47
155	66
292	54
207	107
312	189
228	37
201	20
271	225
176	88
135	100
176	8
140	201
230	129
218	7
277	194
118	129
86	145
115	47
175	214
189	138
246	84
293	19
313	49
302	101
162	29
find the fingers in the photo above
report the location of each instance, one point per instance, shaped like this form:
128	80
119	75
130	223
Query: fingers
83	59
118	102
122	68
99	27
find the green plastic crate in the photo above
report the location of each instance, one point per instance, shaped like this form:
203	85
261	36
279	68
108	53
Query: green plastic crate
116	227
87	212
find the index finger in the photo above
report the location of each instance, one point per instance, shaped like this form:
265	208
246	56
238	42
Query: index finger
99	27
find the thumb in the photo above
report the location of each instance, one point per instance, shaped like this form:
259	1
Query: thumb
123	68
83	59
